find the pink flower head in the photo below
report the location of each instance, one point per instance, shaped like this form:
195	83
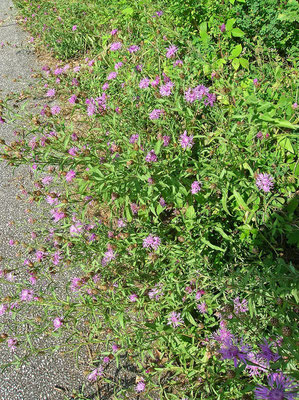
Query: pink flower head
175	319
264	182
70	175
222	28
57	322
294	106
195	187
27	295
74	28
133	298
140	387
50	93
156	114
113	32
281	388
133	48
92	377
12	343
166	140
133	139
171	51
111	76
152	242
115	46
144	83
55	110
202	307
151	157
72	99
186	141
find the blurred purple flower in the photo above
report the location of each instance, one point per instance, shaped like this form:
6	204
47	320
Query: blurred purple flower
281	387
186	141
175	319
264	182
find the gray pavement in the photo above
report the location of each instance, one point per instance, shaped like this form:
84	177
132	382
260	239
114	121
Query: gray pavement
46	377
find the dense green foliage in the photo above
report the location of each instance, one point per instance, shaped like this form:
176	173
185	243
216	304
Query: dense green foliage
178	160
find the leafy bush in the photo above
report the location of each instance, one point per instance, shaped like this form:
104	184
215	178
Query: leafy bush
171	170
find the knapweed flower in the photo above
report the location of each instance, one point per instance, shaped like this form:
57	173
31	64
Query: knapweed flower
233	349
113	32
92	377
166	140
140	387
55	110
162	202
12	343
108	256
151	157
50	93
264	182
133	48
165	90
3	308
111	76
195	187
133	298
74	28
157	292
70	175
115	348
202	307
186	141
134	208
267	353
57	214
57	322
175	319
144	83
139	67
115	46
152	242
294	106
258	364
133	139
118	65
156	81
222	28
171	51
177	63
26	295
240	307
72	99
281	388
156	114
196	93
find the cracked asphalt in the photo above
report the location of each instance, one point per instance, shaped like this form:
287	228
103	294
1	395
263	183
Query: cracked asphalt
45	377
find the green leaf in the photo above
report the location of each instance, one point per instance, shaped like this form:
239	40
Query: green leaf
286	144
224	201
240	201
213	246
244	62
190	213
129	11
229	24
237	32
236	51
236	64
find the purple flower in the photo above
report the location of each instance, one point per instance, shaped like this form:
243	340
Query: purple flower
267	353
70	175
3	308
152	242
156	114
113	32
165	90
140	387
175	319
105	86
115	348
27	295
108	256
74	28
202	307
258	364
255	82
133	139
50	93
92	377
166	140
232	349
162	202
134	208
111	76
157	292
118	65
57	215
195	187
196	93
55	110
57	323
133	298
151	156
133	48
139	67
12	343
72	99
177	63
171	51
240	307
264	182
186	141
281	387
156	81
144	83
222	27
115	46
294	106
259	135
